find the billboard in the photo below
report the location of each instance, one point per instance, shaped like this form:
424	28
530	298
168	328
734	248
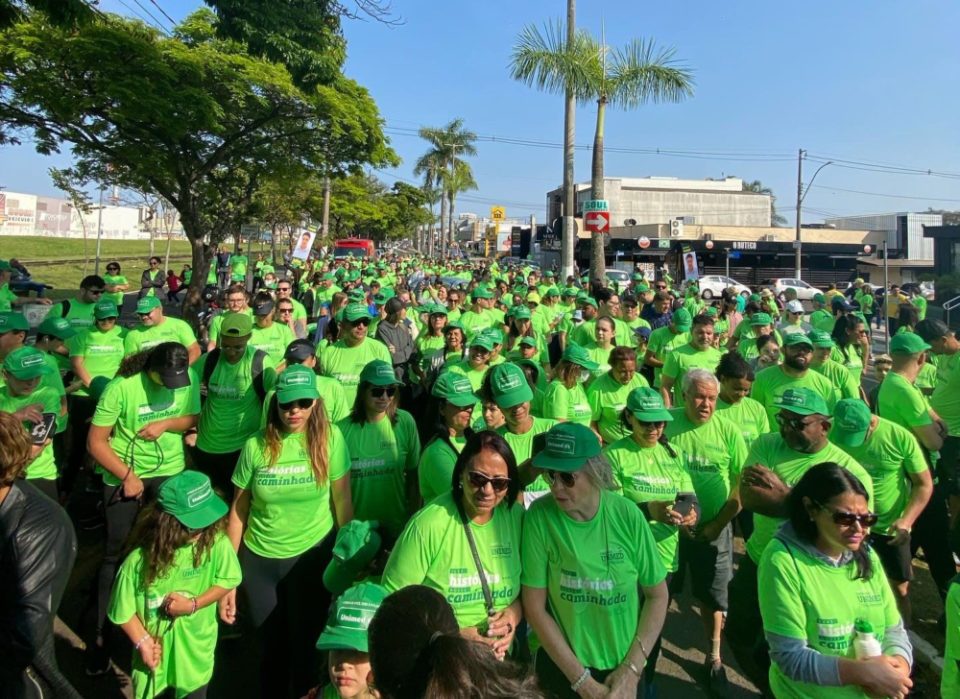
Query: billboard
303	244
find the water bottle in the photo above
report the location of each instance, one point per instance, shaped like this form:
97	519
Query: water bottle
865	643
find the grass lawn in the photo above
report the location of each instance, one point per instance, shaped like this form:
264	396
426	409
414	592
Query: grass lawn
66	277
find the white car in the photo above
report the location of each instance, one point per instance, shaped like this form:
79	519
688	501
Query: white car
618	276
713	285
805	292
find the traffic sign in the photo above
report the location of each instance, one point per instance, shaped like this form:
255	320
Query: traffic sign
597	221
596	205
498	213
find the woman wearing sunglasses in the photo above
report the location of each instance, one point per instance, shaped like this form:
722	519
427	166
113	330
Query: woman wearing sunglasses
114	284
384	448
821	588
588	559
566	398
479	521
293	477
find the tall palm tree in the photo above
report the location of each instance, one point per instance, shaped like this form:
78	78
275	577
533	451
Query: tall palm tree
637	74
429	167
446	144
757	186
459	178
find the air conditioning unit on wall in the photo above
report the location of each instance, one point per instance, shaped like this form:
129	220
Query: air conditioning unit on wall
676	227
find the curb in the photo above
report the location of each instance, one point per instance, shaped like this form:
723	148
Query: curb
924	652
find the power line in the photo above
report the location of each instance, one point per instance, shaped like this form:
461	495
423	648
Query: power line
172	21
879	194
156	21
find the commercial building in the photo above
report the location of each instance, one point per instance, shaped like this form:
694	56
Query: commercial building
910	254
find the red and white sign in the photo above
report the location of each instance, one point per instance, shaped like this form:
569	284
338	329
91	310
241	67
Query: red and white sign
597	221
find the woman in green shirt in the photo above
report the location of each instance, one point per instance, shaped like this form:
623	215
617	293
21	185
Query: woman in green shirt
479	518
114	284
586	609
453	403
292	480
820	587
853	345
607	395
601	346
430	345
152	279
384	448
565	398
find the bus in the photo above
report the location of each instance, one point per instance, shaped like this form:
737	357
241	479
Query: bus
362	248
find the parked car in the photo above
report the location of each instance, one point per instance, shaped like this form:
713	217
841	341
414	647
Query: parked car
926	289
805	292
714	284
618	276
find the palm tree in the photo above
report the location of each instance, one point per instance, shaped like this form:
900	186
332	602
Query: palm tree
758	187
429	167
459	178
446	143
638	74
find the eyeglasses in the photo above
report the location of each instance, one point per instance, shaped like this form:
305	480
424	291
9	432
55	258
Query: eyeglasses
479	481
283	288
567	479
95	292
381	391
659	425
848	519
362	321
302	403
284	310
796	423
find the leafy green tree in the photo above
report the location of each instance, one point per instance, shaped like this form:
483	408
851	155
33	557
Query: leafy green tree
410	210
206	127
638	74
757	186
285	201
446	144
357	207
459	178
67	13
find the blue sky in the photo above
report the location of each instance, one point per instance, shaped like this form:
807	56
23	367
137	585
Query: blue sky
869	82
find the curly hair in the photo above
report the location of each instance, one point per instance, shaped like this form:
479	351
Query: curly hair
159	534
15	449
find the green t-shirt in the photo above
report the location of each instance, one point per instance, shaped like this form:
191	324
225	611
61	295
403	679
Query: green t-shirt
345	363
683	359
474	322
6	298
433	551
592	572
79	315
289	512
748	415
946	395
771	451
566	404
840	377
475	376
115	296
170	330
129	404
803	598
950	681
823	320
772	382
714	451
186	663
273	340
102	352
238	267
901	402
890	454
920	303
334	399
435	471
651	475
43	466
853	361
522	447
662	341
231	411
214	330
607	398
380	455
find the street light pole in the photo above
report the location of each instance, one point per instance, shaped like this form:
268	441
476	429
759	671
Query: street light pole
886	294
801	195
96	262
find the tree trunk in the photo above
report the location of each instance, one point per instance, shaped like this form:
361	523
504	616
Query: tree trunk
166	261
443	220
430	231
450	230
273	244
200	258
597	261
568	239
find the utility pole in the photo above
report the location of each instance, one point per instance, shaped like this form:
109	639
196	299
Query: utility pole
569	236
325	222
96	262
798	244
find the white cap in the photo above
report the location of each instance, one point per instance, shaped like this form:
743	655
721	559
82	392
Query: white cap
795	306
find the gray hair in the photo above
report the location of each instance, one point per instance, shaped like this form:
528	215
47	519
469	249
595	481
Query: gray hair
597	470
695	376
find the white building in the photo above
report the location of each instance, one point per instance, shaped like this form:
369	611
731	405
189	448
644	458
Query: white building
651	200
903	232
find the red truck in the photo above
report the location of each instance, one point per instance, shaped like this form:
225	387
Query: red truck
355	247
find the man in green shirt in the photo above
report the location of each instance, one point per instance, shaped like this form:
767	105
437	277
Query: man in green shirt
79	311
698	353
238	267
821	318
795	372
665	339
155	327
346	358
945	349
834	371
8	299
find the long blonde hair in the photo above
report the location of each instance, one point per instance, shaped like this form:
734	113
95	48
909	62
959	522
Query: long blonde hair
316	436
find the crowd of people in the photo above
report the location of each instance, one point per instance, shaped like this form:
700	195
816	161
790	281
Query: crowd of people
405	477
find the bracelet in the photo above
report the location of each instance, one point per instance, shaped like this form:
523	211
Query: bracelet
194	610
581	680
127	474
136	646
633	668
643	650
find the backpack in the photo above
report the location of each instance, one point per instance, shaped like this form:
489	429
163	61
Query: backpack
256	371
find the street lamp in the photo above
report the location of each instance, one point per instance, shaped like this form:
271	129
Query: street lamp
801	195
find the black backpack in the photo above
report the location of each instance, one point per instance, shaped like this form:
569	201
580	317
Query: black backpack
256	371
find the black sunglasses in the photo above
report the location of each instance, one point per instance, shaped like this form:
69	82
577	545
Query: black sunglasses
479	481
361	321
95	292
848	519
302	403
568	479
381	391
796	423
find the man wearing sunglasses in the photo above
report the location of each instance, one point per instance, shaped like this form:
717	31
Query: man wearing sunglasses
794	372
79	311
775	463
154	328
345	359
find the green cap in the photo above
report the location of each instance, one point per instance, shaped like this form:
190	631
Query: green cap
552	291
851	422
482	292
637	277
802	401
105	309
575	354
236	325
761	319
495	335
437	309
453	325
587	300
646	404
797	337
357	543
10	322
533	297
350	618
482	340
548	273
26	363
819	298
356	311
454	388
379	373
528	340
908	343
568	446
642	288
570	291
509	385
189	497
520	312
57	327
5	266
710	311
682	320
296	382
754	298
147	304
820	338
